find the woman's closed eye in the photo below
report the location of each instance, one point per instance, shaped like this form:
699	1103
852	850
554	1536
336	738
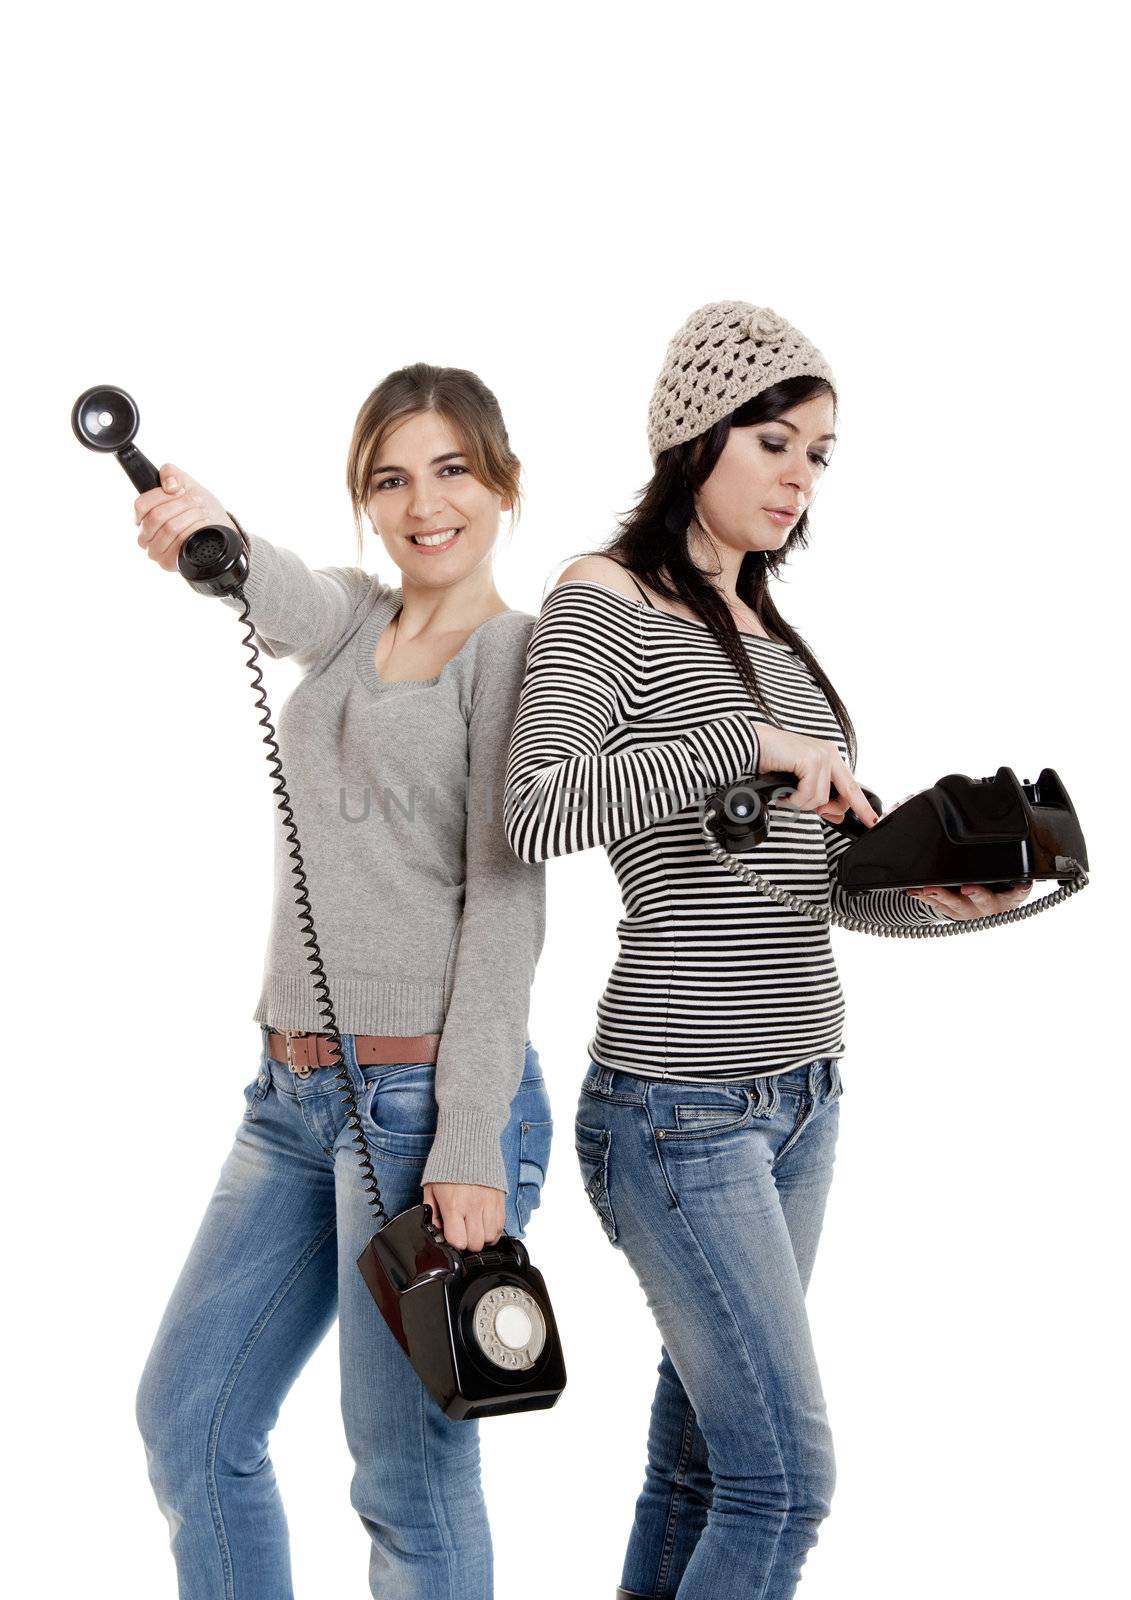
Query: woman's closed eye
778	448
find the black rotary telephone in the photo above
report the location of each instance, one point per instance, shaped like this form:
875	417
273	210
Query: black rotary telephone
994	831
477	1326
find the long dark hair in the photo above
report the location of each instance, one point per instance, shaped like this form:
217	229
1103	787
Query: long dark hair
652	543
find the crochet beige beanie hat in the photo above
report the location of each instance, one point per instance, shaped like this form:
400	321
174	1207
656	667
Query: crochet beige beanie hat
724	355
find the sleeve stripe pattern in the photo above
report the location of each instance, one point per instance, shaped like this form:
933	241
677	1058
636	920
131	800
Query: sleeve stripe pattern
626	718
562	793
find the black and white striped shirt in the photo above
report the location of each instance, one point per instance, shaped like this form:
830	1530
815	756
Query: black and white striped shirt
627	716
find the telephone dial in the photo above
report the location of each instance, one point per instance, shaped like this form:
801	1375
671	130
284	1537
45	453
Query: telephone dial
477	1326
994	831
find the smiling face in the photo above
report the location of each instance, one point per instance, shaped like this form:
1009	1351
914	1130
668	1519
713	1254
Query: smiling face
422	487
767	465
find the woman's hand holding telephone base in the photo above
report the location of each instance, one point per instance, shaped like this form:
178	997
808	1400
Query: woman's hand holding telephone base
813	776
995	831
469	1215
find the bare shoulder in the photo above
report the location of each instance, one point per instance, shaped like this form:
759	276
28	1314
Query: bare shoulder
600	569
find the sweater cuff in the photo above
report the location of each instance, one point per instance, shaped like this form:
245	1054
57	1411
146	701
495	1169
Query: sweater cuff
255	585
466	1149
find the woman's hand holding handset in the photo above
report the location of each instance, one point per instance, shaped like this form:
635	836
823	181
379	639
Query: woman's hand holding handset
167	516
819	767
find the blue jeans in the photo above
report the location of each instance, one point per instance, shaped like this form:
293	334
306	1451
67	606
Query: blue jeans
274	1260
716	1193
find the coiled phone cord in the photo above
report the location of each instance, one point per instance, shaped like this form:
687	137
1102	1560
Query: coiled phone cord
925	930
105	419
305	916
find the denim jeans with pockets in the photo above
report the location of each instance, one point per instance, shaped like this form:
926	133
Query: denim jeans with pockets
272	1265
716	1193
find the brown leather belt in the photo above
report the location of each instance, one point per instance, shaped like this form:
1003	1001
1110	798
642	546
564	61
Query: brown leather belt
302	1052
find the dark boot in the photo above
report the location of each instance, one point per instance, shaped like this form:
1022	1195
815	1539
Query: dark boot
631	1594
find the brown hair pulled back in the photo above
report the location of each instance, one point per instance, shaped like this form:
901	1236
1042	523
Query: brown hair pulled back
459	396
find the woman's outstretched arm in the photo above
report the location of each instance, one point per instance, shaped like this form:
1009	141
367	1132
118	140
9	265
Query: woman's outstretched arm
297	610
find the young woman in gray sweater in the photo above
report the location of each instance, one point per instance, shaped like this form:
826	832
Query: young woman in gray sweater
393	747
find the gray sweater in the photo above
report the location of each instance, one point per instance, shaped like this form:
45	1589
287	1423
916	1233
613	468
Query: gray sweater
426	920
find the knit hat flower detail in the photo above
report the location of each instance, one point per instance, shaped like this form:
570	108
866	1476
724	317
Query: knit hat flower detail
763	324
722	356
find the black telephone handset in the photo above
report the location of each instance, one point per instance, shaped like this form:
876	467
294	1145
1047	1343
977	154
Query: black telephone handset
106	419
993	831
477	1326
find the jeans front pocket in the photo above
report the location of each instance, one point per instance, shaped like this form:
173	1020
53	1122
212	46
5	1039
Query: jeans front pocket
592	1146
719	1111
254	1095
399	1111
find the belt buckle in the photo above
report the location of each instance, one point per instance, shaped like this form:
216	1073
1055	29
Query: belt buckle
299	1072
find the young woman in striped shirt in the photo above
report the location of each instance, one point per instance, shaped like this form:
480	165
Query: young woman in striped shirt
707	1118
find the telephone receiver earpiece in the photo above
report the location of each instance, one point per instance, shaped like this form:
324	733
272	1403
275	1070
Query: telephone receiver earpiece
106	419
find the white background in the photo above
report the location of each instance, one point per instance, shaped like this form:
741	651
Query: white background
248	215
